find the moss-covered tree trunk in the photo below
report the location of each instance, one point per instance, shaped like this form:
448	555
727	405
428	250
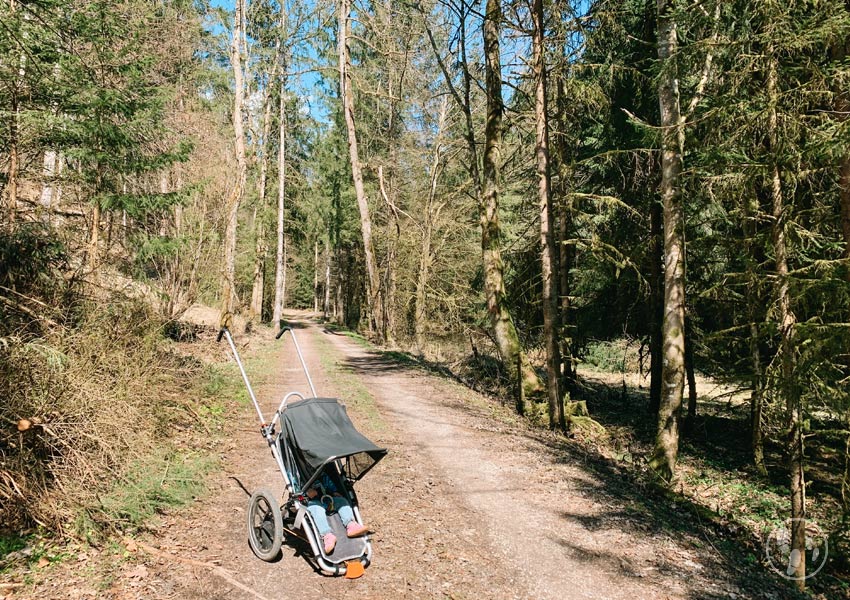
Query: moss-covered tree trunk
666	450
494	282
547	238
787	387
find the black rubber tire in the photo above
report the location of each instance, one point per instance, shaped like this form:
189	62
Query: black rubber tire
265	525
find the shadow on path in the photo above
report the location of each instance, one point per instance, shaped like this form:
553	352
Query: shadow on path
693	545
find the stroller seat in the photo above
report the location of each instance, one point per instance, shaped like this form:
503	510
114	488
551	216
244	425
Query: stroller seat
346	548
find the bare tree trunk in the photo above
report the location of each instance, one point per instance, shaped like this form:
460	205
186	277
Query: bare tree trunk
665	453
494	282
756	403
339	300
486	185
48	172
547	242
388	309
656	304
316	276
94	237
373	290
842	107
787	320
260	247
327	301
280	255
751	210
420	312
229	280
566	250
844	182
689	372
12	183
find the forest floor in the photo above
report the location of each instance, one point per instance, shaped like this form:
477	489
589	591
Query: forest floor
470	503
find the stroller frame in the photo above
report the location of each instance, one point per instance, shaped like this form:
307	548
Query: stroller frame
266	537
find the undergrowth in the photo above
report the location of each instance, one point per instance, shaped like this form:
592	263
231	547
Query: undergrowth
89	424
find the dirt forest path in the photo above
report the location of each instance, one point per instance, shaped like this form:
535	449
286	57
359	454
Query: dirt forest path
469	503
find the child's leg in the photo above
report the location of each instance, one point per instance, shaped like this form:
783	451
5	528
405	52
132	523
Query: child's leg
343	508
317	511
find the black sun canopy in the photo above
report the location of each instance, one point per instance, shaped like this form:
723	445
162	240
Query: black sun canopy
319	432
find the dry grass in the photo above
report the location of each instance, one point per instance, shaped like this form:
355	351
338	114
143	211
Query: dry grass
84	414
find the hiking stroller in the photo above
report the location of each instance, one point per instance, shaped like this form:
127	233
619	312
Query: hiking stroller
315	437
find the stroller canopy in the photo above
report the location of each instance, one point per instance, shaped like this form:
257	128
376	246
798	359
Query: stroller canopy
319	431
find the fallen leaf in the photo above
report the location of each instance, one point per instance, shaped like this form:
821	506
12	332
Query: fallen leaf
140	572
42	562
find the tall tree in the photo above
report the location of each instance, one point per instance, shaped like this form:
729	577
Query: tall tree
501	322
547	237
666	450
228	288
373	290
280	251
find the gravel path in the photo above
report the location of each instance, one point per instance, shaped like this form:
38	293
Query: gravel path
470	503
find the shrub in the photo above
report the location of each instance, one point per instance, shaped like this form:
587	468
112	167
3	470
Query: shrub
85	409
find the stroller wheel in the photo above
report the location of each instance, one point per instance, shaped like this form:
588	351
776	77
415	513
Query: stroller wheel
265	525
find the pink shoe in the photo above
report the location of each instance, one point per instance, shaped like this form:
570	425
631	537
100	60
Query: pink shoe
329	541
355	529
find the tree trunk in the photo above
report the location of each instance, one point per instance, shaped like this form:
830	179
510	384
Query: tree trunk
14	160
842	110
260	247
327	300
373	289
229	281
547	242
656	305
566	250
94	237
280	254
691	377
751	210
420	312
756	403
316	276
504	331
844	182
388	309
787	320
664	456
486	187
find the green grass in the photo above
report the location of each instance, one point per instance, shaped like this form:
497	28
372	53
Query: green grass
357	394
11	543
159	481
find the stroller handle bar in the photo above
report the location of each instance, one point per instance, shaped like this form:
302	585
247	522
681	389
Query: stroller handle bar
225	332
300	357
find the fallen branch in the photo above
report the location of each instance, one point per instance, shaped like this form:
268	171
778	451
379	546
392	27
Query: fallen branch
10	586
221	572
27	311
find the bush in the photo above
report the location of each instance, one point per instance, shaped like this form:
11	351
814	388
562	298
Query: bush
83	410
615	356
